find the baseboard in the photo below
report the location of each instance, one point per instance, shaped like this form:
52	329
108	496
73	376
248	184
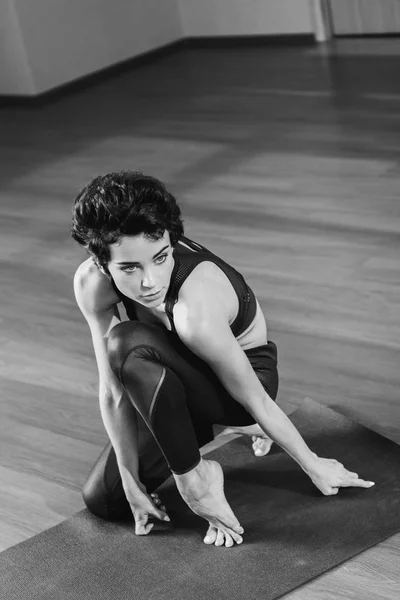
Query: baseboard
366	35
101	75
239	41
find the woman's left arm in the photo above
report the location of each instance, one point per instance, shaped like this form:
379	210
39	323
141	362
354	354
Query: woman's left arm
206	332
210	337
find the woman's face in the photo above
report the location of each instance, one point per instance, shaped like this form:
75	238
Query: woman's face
142	268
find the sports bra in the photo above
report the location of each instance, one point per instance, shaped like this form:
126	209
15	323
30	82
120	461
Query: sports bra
185	261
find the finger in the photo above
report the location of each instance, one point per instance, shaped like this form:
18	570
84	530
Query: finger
211	535
160	514
358	483
157	501
142	527
348	479
329	490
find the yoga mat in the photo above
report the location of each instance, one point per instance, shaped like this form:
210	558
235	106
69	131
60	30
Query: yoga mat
292	532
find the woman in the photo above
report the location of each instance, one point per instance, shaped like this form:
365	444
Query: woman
194	352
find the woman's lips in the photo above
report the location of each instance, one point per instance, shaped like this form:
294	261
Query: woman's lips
152	296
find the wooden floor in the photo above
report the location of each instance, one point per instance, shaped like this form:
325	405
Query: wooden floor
287	164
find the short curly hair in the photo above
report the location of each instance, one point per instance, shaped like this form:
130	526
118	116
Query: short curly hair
124	203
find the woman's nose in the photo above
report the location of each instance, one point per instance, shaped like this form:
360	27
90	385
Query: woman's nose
148	279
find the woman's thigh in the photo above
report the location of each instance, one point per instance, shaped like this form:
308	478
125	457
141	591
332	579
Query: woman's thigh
208	403
206	398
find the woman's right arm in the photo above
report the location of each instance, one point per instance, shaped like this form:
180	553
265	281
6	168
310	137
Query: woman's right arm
97	300
98	304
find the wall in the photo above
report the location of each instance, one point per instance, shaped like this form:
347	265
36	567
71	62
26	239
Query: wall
15	73
365	16
245	17
66	39
51	42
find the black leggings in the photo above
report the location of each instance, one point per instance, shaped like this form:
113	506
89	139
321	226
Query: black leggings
178	398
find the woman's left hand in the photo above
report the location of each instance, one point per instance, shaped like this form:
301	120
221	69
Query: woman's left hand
329	476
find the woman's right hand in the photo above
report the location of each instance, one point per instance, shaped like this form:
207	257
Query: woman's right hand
145	507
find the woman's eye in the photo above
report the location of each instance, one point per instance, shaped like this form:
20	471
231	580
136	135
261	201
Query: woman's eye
159	260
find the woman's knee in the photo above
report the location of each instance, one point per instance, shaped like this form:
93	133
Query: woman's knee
98	505
95	499
102	491
128	335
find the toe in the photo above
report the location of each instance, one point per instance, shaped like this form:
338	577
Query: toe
231	535
211	535
220	539
237	538
261	446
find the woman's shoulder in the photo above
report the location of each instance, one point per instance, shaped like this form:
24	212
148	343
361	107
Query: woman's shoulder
94	287
207	288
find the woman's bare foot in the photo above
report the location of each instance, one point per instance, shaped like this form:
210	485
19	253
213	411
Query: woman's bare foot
261	442
202	489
